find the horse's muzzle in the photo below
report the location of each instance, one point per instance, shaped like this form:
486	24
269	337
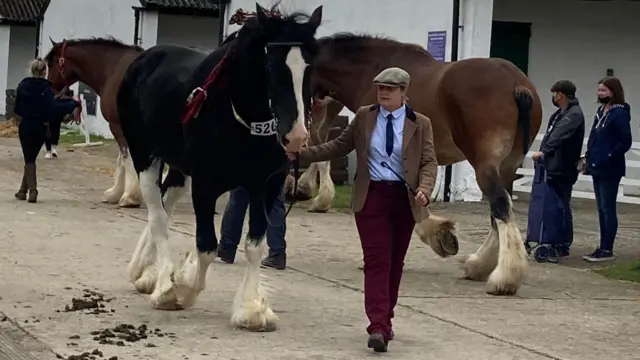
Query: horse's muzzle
296	138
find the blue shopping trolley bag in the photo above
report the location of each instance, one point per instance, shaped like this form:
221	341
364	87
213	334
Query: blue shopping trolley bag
546	226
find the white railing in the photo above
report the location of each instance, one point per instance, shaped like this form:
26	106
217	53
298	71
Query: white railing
524	184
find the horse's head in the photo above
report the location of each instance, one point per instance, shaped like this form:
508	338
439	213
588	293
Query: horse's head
60	72
288	48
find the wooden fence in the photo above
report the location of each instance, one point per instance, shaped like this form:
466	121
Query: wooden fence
339	167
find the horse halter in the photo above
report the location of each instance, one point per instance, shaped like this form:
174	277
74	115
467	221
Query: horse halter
61	60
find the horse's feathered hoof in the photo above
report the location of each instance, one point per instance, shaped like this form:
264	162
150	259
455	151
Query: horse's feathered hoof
439	234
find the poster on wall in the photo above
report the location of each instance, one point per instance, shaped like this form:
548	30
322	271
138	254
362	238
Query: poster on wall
437	44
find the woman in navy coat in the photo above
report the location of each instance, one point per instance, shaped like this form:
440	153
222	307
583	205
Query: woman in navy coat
36	105
609	141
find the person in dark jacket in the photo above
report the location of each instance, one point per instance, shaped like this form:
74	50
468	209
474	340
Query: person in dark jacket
561	147
36	104
609	140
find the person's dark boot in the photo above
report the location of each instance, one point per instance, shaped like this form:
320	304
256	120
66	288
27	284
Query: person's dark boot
22	193
377	342
278	262
32	183
227	257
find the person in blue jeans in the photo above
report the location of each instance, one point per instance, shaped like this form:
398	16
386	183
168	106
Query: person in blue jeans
233	219
609	141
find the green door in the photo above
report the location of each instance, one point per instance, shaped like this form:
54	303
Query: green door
510	41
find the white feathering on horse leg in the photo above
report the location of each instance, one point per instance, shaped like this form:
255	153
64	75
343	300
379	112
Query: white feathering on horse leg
326	190
307	181
132	196
142	266
479	266
191	276
513	264
251	309
114	193
164	295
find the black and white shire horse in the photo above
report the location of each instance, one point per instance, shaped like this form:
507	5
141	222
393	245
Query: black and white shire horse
228	138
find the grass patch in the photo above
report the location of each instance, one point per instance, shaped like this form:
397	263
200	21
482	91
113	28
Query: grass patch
74	137
628	271
342	200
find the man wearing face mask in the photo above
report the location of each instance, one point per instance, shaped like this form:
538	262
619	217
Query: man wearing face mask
561	147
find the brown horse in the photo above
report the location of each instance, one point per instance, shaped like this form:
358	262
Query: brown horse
483	110
101	64
317	177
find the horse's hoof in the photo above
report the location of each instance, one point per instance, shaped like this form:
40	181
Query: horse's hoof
507	290
128	206
269	327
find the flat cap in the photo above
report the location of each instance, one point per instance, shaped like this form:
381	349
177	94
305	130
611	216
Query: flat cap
393	76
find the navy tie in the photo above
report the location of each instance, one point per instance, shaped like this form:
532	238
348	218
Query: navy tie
389	134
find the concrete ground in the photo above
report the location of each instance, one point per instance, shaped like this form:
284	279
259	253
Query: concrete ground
72	246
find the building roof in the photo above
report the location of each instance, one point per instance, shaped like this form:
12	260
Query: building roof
22	11
211	5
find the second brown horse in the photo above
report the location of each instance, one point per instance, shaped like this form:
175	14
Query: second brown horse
483	110
101	64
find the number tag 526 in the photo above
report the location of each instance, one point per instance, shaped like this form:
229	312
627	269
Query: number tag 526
266	128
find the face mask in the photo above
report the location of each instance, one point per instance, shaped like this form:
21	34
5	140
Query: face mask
604	99
553	101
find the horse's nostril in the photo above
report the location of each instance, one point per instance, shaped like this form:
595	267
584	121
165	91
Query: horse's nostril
285	141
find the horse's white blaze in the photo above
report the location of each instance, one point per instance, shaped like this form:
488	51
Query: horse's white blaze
251	310
298	135
113	194
131	195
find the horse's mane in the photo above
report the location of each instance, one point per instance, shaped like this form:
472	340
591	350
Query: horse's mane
354	46
105	41
277	18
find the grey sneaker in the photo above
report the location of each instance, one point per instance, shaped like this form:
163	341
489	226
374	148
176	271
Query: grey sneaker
599	256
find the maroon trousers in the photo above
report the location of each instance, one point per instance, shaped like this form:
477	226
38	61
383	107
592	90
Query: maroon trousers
385	225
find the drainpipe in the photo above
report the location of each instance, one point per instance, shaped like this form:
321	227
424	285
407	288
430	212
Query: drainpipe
136	27
221	10
455	37
38	29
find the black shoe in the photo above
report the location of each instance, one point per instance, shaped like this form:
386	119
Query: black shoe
226	256
278	262
377	342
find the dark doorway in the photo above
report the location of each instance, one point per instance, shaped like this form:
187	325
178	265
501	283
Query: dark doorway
510	41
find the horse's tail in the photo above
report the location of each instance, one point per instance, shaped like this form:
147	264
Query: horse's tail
524	102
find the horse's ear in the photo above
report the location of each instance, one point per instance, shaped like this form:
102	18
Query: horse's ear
52	42
261	15
316	17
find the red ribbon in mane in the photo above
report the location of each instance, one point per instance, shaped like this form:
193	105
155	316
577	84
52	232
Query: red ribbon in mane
199	94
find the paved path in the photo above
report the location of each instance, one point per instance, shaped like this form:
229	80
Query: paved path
70	244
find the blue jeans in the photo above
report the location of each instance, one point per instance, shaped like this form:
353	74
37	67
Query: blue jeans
606	191
233	219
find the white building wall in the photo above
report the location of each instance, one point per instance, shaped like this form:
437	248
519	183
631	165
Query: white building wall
475	42
197	32
569	40
5	40
79	19
148	29
22	49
